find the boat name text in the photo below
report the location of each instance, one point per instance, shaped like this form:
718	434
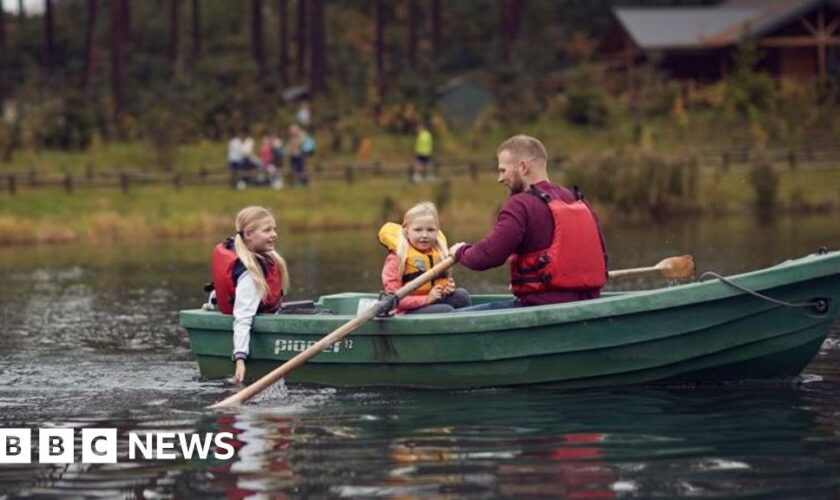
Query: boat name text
286	345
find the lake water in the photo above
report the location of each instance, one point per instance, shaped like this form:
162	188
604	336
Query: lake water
89	338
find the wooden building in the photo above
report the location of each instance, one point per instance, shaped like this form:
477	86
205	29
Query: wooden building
797	39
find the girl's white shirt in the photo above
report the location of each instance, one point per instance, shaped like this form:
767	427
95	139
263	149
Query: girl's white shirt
245	307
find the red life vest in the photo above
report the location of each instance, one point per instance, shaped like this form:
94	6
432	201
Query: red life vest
225	274
575	259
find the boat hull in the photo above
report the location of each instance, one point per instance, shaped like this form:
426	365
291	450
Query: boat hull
705	331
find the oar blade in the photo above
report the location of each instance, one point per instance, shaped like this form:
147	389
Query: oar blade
681	267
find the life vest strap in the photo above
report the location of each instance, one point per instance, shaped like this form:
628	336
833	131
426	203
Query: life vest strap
543	278
543	261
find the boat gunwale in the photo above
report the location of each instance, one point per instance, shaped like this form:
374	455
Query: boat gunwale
790	272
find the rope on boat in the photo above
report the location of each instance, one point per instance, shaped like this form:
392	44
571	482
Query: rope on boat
819	305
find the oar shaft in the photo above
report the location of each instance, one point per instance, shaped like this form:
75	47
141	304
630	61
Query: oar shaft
294	363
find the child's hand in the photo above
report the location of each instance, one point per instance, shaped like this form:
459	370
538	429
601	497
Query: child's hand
239	373
435	294
449	289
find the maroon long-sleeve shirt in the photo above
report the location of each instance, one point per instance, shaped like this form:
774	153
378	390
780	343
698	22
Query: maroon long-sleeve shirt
524	225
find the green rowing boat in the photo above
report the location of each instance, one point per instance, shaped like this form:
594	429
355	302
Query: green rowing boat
762	324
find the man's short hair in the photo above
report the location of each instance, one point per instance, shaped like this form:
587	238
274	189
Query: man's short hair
524	146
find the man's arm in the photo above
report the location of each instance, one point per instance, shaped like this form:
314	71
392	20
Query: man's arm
505	237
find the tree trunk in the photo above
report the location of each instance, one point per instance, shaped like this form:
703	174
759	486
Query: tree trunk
301	39
517	7
504	27
196	29
436	29
316	63
380	44
117	87
2	37
49	45
90	29
412	34
511	15
125	24
21	11
174	29
3	71
257	36
282	10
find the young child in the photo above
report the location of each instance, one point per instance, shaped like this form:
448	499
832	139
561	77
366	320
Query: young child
249	277
413	248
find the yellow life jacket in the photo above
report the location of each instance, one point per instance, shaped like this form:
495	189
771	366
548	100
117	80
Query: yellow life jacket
416	262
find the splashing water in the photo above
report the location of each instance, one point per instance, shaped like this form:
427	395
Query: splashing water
277	390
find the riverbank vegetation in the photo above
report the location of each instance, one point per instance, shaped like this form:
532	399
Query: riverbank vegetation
167	101
619	186
166	104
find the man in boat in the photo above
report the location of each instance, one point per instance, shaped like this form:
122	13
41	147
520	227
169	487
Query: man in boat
547	233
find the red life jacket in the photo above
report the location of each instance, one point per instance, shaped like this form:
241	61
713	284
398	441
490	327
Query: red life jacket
226	271
575	259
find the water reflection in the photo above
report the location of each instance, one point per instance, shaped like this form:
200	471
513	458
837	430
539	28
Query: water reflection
89	337
648	442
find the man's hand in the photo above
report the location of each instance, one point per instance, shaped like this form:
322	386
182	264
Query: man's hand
453	250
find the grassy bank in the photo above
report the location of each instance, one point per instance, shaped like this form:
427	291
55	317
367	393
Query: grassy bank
145	213
704	132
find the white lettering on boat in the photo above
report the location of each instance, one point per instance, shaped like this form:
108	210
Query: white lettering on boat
287	345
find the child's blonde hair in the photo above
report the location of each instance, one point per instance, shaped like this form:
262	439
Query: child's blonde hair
246	220
422	209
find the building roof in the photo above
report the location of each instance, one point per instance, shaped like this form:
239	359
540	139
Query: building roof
725	24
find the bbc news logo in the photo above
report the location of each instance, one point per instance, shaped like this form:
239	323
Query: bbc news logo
99	446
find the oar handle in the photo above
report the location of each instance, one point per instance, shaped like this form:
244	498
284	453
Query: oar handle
294	363
621	273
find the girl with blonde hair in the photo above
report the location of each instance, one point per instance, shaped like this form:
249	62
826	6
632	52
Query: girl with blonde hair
249	277
413	248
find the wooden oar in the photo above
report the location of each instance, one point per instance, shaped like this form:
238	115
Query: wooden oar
672	268
380	307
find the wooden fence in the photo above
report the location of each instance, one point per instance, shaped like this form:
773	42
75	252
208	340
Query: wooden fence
792	158
317	171
807	157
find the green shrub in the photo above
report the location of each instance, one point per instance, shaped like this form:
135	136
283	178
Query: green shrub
586	100
746	88
765	182
8	140
637	183
58	122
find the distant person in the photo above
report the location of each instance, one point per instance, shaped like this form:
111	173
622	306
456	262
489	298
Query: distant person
267	158
297	154
423	149
414	248
248	153
547	233
249	277
303	116
278	154
235	156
